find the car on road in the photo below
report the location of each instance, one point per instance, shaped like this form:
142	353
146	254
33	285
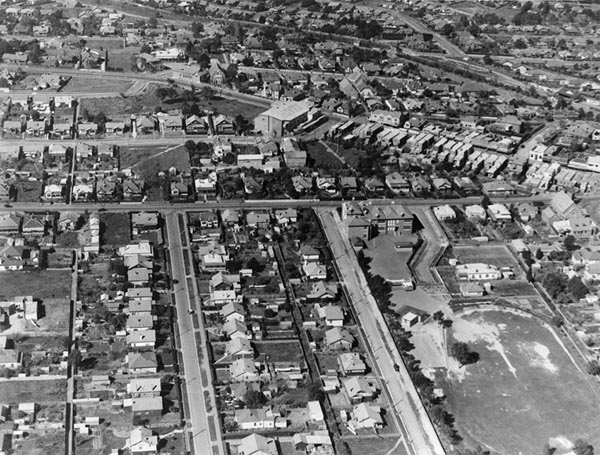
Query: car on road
396	367
191	311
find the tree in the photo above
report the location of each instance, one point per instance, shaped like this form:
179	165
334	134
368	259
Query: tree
254	399
593	368
582	447
255	265
461	352
190	146
315	392
153	22
539	254
488	60
577	288
197	29
555	284
570	243
485	202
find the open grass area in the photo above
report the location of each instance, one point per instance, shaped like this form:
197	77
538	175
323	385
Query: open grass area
39	391
37	283
133	155
96	85
376	446
524	389
497	255
122	106
29	191
281	351
321	158
229	107
149	167
41	444
115	228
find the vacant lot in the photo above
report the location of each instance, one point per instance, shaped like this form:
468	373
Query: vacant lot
115	228
28	191
18	391
321	158
376	446
177	157
134	155
524	380
41	444
284	351
229	107
96	85
123	106
37	283
497	255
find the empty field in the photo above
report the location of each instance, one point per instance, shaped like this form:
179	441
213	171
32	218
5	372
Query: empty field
524	390
39	391
115	228
98	84
149	165
497	255
280	351
320	157
37	283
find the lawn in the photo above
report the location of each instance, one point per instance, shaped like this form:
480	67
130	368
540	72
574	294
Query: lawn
96	85
40	391
524	389
115	228
37	283
322	158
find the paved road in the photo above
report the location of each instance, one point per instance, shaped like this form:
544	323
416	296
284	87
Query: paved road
198	417
406	401
435	242
251	204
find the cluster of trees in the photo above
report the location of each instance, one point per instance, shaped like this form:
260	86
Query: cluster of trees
559	286
461	352
381	289
435	405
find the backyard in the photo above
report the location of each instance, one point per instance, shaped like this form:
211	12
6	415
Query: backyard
114	228
39	391
525	379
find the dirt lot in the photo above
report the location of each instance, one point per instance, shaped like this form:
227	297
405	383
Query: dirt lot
19	391
115	228
133	155
96	85
524	379
38	283
376	446
42	444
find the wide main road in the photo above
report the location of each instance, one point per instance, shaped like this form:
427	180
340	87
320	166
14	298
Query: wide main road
406	403
198	415
258	204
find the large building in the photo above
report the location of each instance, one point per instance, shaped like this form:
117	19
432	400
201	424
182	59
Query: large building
282	118
364	220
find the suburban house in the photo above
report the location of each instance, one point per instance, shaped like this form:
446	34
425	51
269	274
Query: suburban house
142	362
142	442
351	363
339	338
477	271
332	315
359	389
256	444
